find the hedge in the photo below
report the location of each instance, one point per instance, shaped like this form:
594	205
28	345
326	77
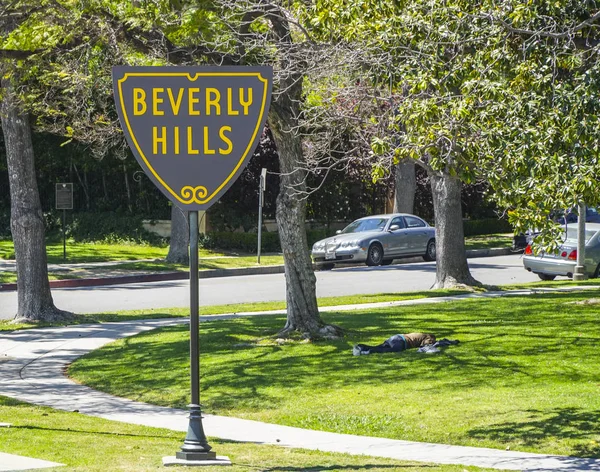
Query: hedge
486	226
113	227
4	224
248	242
107	227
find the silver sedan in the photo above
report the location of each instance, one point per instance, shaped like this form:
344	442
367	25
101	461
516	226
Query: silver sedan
563	262
377	240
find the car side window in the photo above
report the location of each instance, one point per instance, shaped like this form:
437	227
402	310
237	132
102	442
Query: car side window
412	222
398	221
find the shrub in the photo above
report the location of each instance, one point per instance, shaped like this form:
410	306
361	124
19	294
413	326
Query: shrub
486	226
242	242
5	224
111	228
248	242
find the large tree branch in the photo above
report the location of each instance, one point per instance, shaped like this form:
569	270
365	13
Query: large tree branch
568	33
17	53
154	39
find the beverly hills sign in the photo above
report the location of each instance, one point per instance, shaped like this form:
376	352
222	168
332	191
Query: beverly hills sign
192	129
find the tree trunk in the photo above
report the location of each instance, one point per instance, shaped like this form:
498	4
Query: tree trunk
129	204
406	185
180	237
302	310
27	223
88	202
84	186
451	269
104	188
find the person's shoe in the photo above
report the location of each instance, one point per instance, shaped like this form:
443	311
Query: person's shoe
356	351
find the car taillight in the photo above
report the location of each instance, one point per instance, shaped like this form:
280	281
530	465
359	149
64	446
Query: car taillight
528	250
573	255
563	254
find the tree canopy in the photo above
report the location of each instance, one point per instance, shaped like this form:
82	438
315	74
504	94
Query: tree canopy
502	91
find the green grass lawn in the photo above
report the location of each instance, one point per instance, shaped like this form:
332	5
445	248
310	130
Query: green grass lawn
98	252
203	263
489	241
86	444
551	284
11	277
215	262
526	375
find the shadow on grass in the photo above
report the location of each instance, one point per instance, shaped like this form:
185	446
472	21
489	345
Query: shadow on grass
95	432
513	344
490	353
344	467
562	423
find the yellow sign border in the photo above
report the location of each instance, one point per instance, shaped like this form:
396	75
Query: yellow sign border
190	193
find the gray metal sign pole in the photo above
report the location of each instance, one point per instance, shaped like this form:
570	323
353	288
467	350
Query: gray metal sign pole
64	224
260	205
195	446
261	202
64	201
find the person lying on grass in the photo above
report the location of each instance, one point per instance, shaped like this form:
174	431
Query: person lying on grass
401	342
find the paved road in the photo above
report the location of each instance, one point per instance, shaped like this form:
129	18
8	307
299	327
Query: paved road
343	281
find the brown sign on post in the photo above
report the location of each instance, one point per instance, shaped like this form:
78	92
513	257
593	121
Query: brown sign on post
193	129
64	196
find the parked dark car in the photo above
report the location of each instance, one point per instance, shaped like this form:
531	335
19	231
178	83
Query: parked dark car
377	240
571	216
520	241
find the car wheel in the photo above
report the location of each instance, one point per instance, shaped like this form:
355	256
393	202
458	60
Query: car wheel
597	273
430	251
325	266
387	262
375	254
546	277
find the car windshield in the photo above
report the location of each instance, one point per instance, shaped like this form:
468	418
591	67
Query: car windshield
572	234
370	224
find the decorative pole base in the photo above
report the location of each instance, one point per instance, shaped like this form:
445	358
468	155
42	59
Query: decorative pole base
218	460
195	446
196	456
195	450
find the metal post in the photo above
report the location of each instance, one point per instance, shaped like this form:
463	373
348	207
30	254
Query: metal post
260	207
195	446
579	273
261	201
64	222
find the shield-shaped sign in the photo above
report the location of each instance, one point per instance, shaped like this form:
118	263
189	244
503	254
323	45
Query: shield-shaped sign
193	129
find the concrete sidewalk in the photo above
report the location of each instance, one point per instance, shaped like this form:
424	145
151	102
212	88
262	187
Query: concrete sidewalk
11	463
32	371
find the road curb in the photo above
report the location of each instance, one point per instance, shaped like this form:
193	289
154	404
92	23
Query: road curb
214	273
503	251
